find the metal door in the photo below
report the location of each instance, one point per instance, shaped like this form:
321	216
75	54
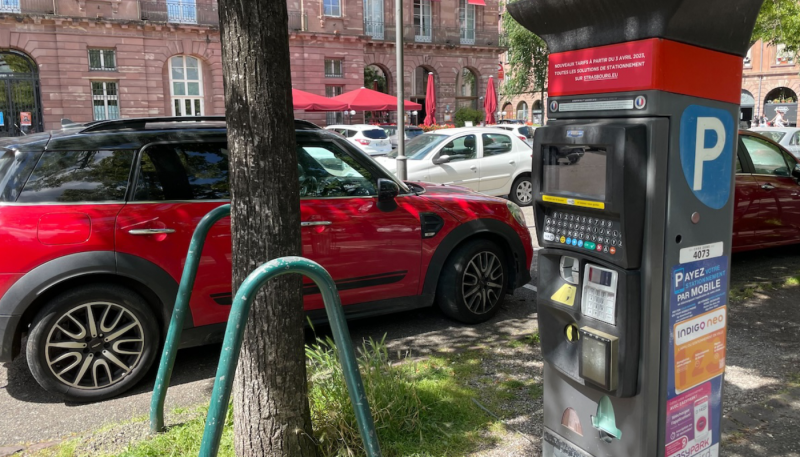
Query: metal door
20	101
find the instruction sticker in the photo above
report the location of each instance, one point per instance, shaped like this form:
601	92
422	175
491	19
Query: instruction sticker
698	326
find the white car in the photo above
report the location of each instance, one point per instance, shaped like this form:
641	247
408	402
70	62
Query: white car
369	138
523	132
488	160
788	137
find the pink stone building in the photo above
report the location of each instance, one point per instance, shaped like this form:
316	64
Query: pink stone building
87	60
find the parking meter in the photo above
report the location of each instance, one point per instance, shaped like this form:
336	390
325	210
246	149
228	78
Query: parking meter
633	204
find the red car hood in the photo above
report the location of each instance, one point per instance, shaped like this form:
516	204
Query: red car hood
464	203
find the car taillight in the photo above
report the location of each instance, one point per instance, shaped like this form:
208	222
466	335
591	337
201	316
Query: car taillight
362	141
522	138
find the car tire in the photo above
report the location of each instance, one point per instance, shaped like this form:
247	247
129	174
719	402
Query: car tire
522	191
473	282
85	362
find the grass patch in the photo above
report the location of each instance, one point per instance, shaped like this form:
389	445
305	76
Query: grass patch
793	281
421	408
528	340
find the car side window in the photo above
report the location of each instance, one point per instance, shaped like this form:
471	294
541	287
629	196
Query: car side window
739	165
495	144
462	148
351	133
79	176
795	141
526	132
767	159
327	171
196	171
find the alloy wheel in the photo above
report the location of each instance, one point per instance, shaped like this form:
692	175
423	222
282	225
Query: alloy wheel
94	345
482	285
524	192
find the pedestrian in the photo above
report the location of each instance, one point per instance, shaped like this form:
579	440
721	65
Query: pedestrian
779	120
762	121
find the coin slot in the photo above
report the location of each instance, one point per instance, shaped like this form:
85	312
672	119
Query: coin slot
572	333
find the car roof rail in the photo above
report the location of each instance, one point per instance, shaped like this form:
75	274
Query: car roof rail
141	122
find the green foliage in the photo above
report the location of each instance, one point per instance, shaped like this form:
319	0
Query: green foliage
371	76
778	22
527	59
468	114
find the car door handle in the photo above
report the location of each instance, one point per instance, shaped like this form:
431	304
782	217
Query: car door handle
314	223
473	168
151	231
767	186
511	162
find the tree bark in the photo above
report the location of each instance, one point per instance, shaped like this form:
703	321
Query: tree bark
271	412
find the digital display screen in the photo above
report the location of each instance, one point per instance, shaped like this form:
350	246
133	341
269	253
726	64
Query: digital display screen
595	361
601	277
578	170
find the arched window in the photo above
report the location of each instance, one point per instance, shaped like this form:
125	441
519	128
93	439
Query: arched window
522	111
467	89
186	86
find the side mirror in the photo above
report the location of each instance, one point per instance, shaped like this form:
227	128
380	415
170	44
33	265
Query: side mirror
442	159
796	171
387	192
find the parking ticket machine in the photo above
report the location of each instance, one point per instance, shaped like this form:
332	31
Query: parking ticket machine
633	203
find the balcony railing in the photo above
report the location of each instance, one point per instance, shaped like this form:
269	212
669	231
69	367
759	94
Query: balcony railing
297	21
27	6
448	36
178	12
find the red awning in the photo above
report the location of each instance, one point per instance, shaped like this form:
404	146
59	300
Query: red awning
371	100
477	2
307	101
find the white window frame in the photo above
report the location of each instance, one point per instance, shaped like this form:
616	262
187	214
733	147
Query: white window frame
332	73
102	53
182	11
9	6
423	21
334	117
466	19
105	98
748	59
181	98
373	18
335	9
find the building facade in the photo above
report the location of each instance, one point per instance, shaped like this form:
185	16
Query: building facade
87	60
770	83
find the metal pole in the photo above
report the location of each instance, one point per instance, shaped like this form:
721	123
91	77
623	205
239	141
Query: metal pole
401	129
179	315
234	333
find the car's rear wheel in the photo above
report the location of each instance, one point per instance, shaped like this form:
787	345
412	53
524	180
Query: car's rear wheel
522	191
92	343
473	282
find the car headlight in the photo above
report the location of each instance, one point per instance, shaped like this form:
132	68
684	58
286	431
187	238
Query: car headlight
516	211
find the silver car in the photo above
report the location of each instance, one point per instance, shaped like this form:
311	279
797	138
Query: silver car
788	137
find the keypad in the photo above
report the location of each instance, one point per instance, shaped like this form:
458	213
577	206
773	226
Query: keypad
590	233
599	304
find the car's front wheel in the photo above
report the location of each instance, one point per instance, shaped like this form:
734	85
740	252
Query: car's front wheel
92	343
522	191
473	282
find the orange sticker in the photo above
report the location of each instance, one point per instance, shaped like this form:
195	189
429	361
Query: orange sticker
700	349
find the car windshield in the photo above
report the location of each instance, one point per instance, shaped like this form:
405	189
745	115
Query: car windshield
15	167
375	134
420	146
413	133
390	130
772	134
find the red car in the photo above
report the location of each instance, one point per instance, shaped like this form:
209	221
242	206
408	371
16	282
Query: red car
95	222
767	211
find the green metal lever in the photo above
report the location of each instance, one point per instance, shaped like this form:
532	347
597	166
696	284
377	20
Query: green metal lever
179	315
232	345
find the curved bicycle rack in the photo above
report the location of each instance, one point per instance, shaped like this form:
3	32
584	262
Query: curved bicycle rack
234	332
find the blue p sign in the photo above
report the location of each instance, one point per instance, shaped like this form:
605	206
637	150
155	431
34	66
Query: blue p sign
707	153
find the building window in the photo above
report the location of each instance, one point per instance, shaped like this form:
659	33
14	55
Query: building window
182	12
334	117
332	8
105	100
423	30
783	56
466	15
9	6
186	86
102	60
748	59
467	89
522	111
334	68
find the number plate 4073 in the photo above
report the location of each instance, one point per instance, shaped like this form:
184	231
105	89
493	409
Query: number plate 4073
706	251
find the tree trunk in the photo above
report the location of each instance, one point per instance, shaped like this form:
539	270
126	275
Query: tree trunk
271	412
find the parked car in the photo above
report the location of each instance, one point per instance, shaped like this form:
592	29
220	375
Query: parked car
488	160
767	209
95	224
369	138
788	137
523	132
411	132
511	121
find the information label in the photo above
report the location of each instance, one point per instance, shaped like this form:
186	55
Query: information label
698	325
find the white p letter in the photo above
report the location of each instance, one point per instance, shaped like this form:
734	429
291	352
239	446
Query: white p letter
703	154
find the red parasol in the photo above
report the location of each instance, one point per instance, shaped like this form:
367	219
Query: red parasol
370	100
311	102
430	102
490	102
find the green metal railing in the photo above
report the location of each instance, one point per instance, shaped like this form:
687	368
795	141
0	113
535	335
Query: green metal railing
234	334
